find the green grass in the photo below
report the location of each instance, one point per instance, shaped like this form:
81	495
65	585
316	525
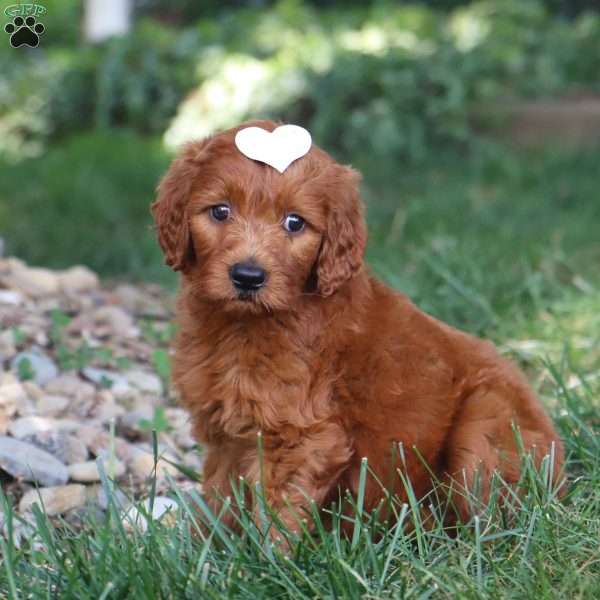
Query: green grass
86	201
543	548
504	244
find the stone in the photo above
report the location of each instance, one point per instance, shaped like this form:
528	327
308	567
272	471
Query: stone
55	500
163	509
144	401
117	322
88	435
27	408
130	423
184	439
24	530
25	461
78	279
25	426
191	493
8	344
181	426
84	516
72	387
41	339
177	417
4	421
34	391
194	460
11	297
112	380
144	381
97	494
106	408
34	323
12	394
67	448
52	406
100	442
80	393
142	466
31	281
88	471
42	367
137	301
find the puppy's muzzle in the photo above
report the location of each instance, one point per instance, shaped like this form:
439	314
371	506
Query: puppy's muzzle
247	277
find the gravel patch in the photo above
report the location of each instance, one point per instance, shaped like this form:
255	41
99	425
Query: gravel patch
82	381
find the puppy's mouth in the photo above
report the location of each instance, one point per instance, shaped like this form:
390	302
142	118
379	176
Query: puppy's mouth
247	296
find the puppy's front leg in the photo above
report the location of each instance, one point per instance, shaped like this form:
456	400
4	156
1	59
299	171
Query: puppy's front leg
300	465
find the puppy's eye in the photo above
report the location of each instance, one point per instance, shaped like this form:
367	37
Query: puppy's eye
220	212
293	223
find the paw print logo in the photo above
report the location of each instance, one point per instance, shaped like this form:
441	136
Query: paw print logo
24	32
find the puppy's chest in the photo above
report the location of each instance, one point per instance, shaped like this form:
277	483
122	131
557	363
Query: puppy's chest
254	384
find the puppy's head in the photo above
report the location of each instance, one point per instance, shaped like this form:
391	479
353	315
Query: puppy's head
251	238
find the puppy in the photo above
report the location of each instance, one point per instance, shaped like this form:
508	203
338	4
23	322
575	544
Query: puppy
283	333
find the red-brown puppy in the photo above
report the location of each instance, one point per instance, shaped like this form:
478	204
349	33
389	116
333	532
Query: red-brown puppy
283	331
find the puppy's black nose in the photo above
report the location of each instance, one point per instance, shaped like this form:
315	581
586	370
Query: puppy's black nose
247	277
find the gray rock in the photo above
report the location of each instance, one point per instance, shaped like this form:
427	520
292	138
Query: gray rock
130	424
55	500
84	516
99	442
116	321
25	461
80	393
72	387
136	301
144	381
25	426
67	448
163	508
11	297
194	460
43	367
52	406
114	381
24	531
107	409
26	408
97	494
179	422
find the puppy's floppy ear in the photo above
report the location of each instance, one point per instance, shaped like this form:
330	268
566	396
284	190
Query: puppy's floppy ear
345	236
169	209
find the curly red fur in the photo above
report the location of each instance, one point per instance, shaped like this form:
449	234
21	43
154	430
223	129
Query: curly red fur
325	361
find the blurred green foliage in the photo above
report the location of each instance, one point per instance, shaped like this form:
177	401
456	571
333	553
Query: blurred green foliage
186	10
86	201
134	81
398	78
391	87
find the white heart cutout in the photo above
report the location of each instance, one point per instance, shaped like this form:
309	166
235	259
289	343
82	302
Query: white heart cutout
278	148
